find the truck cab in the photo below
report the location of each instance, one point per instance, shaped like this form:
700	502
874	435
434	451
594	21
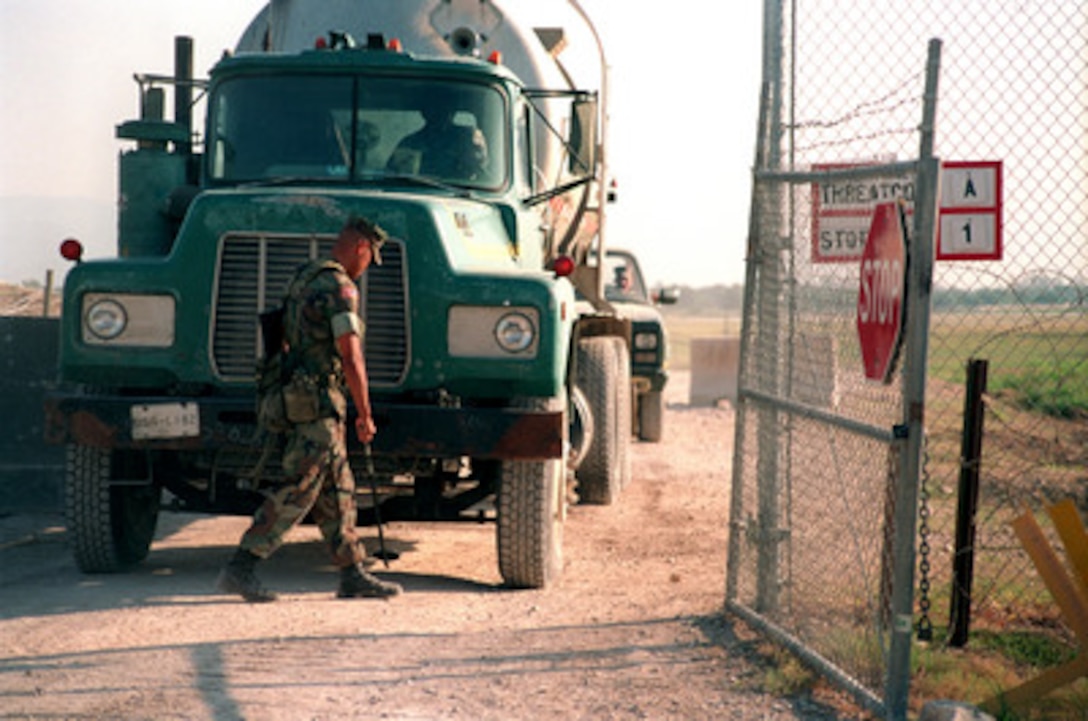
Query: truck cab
490	192
626	289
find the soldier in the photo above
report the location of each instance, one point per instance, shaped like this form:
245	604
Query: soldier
322	332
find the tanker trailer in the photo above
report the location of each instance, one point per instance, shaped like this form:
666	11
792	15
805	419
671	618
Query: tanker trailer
480	354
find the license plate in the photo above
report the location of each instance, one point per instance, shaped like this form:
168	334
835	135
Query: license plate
165	420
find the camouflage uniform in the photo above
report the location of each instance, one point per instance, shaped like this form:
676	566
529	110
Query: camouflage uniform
315	459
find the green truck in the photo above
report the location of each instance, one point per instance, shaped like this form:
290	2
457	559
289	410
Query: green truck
501	374
626	289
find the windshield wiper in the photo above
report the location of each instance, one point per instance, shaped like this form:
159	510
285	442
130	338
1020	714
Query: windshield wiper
425	181
287	180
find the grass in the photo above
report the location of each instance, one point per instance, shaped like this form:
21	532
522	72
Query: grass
1039	361
1055	387
786	675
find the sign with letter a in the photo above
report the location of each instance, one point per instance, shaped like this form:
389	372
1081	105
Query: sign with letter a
970	215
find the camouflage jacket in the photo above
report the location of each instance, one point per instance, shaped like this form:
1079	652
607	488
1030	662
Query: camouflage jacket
319	292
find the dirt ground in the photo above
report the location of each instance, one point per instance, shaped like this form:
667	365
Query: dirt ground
633	629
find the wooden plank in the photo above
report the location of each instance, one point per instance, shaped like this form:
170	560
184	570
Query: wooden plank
1034	689
1071	530
1074	609
1071	600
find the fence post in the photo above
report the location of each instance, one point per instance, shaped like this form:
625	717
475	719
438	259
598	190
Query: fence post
919	292
48	293
963	562
768	260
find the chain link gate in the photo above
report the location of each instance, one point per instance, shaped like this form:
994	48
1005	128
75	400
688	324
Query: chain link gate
826	465
842	82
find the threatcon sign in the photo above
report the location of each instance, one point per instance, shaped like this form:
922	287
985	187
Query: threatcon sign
970	226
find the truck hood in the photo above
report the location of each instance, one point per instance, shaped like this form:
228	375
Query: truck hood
469	234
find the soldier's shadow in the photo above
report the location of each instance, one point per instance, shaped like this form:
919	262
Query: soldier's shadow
305	567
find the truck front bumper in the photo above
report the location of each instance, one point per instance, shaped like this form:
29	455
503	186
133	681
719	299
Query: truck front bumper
209	423
648	379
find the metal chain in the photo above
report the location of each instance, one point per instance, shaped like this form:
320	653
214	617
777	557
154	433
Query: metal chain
925	626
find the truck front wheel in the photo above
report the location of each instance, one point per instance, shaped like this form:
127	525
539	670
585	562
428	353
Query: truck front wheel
530	523
532	507
651	416
111	525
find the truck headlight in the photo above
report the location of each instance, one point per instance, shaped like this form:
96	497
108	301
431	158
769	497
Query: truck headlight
479	331
128	319
106	319
646	341
514	332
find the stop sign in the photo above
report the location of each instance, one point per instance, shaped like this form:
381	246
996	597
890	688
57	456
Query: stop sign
880	292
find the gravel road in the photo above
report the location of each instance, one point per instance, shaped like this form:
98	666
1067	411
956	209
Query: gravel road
633	629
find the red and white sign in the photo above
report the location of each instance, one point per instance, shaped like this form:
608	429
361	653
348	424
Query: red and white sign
881	286
969	224
842	210
970	219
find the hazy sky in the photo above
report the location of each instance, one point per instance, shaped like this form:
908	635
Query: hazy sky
685	89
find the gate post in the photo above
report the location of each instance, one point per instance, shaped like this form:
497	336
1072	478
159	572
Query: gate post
919	290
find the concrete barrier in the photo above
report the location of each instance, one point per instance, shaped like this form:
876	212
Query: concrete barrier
715	366
715	363
31	472
815	370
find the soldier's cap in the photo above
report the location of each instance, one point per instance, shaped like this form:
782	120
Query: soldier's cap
373	233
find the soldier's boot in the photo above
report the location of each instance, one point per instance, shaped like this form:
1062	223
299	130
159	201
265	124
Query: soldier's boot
237	577
357	583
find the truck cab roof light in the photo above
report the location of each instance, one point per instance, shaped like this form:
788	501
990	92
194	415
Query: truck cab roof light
495	58
321	44
395	46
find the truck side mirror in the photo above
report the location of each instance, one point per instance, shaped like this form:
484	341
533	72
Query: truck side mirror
583	136
666	296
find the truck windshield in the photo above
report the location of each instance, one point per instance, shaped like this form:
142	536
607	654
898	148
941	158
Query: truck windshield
623	278
351	129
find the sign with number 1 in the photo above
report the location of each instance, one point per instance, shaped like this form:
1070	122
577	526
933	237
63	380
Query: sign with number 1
970	217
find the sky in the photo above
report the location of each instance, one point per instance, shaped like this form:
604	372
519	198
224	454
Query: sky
682	132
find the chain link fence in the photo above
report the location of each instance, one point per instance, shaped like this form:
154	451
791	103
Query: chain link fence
816	481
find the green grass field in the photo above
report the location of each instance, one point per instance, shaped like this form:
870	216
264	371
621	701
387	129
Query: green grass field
1038	359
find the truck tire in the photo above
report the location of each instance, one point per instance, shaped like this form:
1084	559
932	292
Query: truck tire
111	526
530	523
625	411
532	507
600	476
651	416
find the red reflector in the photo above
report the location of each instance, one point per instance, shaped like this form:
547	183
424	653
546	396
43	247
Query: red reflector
394	45
71	249
495	58
321	43
563	266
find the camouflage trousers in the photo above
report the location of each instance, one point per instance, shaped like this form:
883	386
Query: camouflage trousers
318	481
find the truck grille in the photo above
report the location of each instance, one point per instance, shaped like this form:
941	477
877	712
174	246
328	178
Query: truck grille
253	273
